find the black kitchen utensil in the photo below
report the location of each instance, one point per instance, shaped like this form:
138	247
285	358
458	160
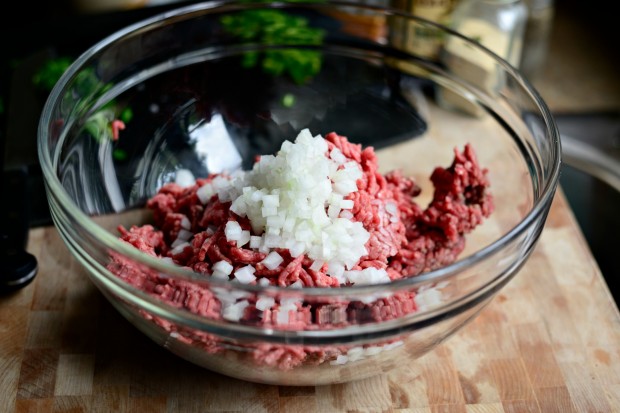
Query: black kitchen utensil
17	266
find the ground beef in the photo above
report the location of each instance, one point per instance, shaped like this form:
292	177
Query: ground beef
405	240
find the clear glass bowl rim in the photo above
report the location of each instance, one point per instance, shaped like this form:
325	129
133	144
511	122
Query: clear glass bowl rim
540	207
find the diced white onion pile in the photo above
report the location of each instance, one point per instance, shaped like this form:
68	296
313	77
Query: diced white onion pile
296	200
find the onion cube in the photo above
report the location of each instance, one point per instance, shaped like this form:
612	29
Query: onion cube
232	231
184	235
272	260
185	223
244	238
234	312
264	303
255	241
179	248
223	266
245	275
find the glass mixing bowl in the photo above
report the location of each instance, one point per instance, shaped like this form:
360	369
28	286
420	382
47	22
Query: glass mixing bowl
207	87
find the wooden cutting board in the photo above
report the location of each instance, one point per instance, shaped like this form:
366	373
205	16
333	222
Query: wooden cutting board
549	342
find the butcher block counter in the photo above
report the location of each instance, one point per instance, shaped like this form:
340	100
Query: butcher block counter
549	342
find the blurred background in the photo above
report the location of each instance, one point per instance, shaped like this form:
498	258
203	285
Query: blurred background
568	50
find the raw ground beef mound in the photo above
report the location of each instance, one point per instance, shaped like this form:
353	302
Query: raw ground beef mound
418	241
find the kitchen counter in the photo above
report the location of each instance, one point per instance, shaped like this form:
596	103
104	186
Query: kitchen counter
550	341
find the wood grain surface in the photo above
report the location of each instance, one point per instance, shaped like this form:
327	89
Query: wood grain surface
549	342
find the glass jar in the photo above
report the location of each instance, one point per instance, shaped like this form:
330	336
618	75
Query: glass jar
496	24
536	39
423	40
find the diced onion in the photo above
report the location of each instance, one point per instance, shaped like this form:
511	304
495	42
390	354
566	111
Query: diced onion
179	248
232	230
205	192
245	275
272	260
223	266
234	312
184	235
295	200
244	238
185	223
264	303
